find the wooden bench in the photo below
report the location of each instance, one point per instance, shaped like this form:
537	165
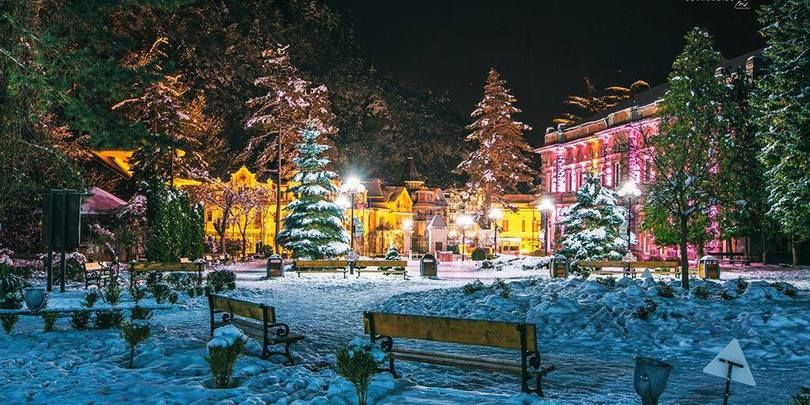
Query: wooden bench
629	267
321	266
507	335
361	265
98	272
141	269
256	320
732	257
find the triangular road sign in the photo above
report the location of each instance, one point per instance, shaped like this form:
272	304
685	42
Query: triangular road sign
740	372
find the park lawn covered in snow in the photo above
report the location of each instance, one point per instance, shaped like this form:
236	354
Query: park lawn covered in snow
586	329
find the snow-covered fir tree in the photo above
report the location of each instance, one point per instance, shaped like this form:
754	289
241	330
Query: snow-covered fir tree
500	160
781	107
593	226
392	253
313	227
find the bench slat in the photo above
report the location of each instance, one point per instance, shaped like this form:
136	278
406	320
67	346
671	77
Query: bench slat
378	263
320	263
241	308
164	267
621	264
451	330
458	361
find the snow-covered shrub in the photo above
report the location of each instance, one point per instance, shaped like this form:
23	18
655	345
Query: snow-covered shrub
90	299
172	298
179	281
153	278
665	290
10	280
9	301
742	286
111	293
134	332
223	350
478	254
73	266
392	254
500	286
644	312
608	282
49	319
786	288
487	264
137	292
358	362
472	287
108	319
160	292
221	280
801	398
192	292
701	292
80	319
139	312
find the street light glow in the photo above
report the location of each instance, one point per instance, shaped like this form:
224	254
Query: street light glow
629	189
407	224
545	204
495	213
342	202
464	221
352	185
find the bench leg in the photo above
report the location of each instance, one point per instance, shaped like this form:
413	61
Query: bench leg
286	353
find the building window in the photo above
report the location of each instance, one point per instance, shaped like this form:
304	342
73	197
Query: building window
523	225
617	173
505	225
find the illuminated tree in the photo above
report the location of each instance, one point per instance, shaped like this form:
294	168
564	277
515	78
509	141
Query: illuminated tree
590	103
500	160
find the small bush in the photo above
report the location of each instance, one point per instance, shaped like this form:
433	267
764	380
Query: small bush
742	286
108	319
472	287
139	312
112	294
801	398
478	254
172	298
80	319
134	332
223	350
665	290
221	280
10	301
90	299
138	293
358	362
609	282
501	286
49	318
644	312
179	281
702	292
487	264
153	279
786	288
192	292
160	292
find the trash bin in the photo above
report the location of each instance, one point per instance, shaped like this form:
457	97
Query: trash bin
558	267
274	266
709	268
650	379
428	267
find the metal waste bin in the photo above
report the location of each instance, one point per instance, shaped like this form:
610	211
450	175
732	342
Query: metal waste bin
428	266
274	266
558	267
709	268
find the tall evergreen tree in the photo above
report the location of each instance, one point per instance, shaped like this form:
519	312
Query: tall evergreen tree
313	227
781	107
685	151
500	160
593	226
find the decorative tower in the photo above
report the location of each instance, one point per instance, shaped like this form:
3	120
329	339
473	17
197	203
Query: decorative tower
411	178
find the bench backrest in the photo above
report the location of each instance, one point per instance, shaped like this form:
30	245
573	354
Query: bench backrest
164	267
389	263
452	330
320	263
245	309
185	260
620	264
91	266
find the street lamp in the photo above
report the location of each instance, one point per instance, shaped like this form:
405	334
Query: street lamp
407	228
352	186
495	214
464	221
629	190
545	207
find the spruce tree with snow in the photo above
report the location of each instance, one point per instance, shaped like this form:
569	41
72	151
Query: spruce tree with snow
313	227
391	254
501	158
593	226
781	109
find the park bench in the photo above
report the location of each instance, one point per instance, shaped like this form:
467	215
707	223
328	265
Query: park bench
732	257
256	320
142	269
390	267
506	335
320	266
629	267
98	272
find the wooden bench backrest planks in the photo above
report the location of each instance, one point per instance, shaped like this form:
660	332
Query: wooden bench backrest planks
309	264
463	331
93	266
145	267
245	309
378	263
621	264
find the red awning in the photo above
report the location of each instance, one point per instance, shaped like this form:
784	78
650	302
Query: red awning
100	202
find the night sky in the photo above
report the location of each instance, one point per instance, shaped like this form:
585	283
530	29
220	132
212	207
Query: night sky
542	48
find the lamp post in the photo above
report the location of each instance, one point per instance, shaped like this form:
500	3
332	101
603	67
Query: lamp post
407	228
352	186
464	221
545	207
629	190
495	214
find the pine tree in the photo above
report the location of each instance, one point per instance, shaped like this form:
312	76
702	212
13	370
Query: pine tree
392	253
313	227
501	158
592	226
684	151
781	107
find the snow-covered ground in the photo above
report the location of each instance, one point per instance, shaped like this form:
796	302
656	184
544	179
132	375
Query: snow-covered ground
584	328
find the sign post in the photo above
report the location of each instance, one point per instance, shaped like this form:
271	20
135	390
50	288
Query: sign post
61	230
731	365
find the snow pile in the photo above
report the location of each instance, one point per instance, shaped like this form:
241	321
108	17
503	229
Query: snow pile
514	263
226	336
771	320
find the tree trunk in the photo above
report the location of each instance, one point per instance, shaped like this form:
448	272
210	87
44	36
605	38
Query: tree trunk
700	248
487	204
278	195
131	355
793	250
764	246
684	258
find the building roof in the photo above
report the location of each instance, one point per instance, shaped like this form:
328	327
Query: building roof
101	202
437	222
410	171
118	161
